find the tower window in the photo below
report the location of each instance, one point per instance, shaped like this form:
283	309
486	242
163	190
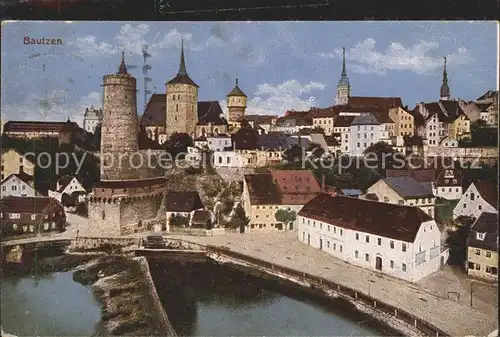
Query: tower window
177	107
173	97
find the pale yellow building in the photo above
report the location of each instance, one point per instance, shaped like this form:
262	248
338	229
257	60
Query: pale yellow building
14	163
404	124
482	250
460	128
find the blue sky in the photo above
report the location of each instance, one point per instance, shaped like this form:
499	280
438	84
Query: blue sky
280	65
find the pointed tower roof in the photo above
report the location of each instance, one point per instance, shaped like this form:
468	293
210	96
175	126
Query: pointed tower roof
182	75
445	89
122	69
344	80
236	91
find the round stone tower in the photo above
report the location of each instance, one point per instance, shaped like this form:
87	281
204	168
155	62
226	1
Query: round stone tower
119	133
236	104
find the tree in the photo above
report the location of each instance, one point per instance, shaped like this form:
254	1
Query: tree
227	206
293	154
381	153
239	218
179	221
285	216
316	151
178	143
482	135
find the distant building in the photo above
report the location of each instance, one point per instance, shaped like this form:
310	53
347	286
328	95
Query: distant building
343	87
366	130
404	124
264	194
91	119
14	162
236	104
480	196
488	106
39	129
31	215
482	247
405	191
399	241
18	185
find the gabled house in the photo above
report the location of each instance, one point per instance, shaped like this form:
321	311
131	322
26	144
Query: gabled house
405	191
17	185
68	188
399	241
31	215
479	197
366	130
482	247
180	208
264	194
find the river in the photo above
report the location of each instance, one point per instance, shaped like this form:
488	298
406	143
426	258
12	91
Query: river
200	299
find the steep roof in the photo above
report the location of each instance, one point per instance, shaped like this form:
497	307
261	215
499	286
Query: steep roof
383	219
24	177
182	76
343	121
64	182
272	141
332	111
486	223
185	201
408	187
296	181
154	114
375	102
488	191
365	119
262	189
245	139
30	205
210	112
236	91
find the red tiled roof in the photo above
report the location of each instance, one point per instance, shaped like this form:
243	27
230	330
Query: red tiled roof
378	218
296	181
36	126
332	111
31	205
262	190
375	102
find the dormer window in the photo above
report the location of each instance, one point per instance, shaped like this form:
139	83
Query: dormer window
480	236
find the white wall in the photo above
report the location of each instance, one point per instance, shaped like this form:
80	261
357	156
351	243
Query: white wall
364	136
448	192
18	188
343	244
468	207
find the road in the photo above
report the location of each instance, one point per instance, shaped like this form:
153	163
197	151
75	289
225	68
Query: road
284	249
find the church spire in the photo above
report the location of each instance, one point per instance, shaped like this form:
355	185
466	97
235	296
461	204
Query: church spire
344	73
182	64
445	89
122	69
343	88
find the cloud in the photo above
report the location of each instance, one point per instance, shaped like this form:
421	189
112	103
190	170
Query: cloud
56	106
276	100
419	58
88	47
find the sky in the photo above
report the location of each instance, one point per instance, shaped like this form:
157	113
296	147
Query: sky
279	65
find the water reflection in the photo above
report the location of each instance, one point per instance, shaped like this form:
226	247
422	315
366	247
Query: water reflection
210	300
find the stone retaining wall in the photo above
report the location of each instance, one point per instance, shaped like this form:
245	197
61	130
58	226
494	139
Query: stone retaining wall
87	243
463	152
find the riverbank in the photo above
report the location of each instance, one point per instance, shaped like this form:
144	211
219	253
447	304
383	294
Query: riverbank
130	306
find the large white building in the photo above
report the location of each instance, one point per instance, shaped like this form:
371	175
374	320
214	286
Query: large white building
16	185
480	196
400	241
366	130
91	119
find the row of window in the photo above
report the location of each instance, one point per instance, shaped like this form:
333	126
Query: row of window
478	251
488	269
391	262
479	207
13	187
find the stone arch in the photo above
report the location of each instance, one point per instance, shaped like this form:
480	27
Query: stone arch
216	131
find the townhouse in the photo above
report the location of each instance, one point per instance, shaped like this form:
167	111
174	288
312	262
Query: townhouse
14	162
366	130
403	122
68	191
404	191
399	241
181	207
479	197
18	185
31	215
482	247
266	193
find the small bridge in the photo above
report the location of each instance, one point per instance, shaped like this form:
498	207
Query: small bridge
14	251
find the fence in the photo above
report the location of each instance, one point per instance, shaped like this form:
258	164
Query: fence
321	283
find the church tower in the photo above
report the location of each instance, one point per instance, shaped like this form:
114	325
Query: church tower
343	88
445	89
181	101
119	133
236	104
